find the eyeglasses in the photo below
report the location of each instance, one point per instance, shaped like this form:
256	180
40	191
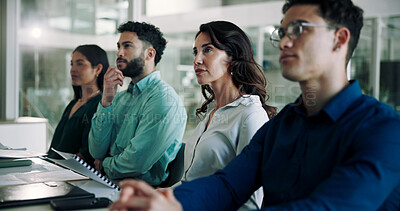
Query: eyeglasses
293	31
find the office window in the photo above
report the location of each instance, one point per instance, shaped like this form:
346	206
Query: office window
48	33
390	63
361	61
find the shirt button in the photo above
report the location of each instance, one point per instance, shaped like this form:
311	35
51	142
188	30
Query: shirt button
99	129
109	113
103	114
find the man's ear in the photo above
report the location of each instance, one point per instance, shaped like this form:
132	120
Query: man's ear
150	53
342	38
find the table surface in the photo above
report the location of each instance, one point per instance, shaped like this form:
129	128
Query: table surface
29	174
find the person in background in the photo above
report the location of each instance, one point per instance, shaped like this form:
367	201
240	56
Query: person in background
233	85
334	148
88	66
136	133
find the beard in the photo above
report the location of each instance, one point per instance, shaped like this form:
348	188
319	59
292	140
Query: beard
134	68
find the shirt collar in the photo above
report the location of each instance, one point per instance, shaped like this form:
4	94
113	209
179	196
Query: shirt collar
144	83
338	105
245	100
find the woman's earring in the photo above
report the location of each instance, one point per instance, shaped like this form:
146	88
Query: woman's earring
231	73
336	48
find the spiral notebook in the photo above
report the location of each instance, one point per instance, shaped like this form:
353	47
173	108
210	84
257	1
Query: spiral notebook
78	165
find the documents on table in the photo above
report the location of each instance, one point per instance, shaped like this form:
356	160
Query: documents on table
39	171
12	153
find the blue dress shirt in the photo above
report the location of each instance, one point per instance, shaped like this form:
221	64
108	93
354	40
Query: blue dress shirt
345	157
141	132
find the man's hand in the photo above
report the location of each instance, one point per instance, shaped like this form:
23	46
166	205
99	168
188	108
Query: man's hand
138	195
97	164
112	79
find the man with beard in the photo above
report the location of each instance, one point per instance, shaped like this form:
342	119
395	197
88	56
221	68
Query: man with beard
136	133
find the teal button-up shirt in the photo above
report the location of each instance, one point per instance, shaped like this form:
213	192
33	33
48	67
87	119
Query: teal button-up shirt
141	132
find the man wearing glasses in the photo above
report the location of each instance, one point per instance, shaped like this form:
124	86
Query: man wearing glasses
332	149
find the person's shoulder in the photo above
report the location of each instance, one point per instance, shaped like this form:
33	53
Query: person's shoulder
252	108
377	123
374	115
249	110
160	84
162	89
370	107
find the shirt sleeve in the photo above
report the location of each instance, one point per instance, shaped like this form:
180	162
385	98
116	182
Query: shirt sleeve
366	179
229	188
251	123
161	123
100	135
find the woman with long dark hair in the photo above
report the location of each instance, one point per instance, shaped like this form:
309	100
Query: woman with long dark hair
233	86
88	66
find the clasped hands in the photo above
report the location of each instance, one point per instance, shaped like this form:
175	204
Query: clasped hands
138	195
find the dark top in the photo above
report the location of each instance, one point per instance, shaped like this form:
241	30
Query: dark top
345	157
71	135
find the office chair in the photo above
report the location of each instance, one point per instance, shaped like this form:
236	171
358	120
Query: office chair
175	169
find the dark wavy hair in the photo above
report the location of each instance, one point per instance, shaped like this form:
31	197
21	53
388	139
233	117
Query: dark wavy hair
247	75
95	55
339	13
148	33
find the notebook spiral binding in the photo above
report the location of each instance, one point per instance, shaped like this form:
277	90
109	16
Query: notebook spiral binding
101	176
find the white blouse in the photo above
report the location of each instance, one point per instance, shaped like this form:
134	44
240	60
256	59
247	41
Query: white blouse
230	130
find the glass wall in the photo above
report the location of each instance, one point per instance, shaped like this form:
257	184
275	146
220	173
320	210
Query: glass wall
361	65
49	31
388	52
390	62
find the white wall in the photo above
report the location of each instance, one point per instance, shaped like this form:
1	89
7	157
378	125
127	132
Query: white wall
25	132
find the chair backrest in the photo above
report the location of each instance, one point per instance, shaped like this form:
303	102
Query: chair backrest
175	169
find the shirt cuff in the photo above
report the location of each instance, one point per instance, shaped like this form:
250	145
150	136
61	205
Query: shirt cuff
102	117
106	164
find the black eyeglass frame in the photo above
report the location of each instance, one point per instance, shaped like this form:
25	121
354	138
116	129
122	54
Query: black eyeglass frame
294	30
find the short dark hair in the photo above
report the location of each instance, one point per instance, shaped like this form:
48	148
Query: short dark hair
148	33
95	55
247	75
339	13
